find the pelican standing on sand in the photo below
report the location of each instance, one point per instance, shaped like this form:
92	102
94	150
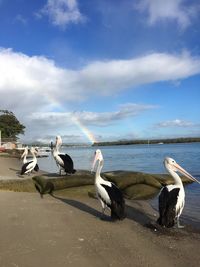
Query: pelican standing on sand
108	194
31	165
172	197
63	161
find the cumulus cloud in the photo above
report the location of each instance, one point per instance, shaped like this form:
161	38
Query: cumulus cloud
39	75
62	12
176	10
175	123
35	83
115	75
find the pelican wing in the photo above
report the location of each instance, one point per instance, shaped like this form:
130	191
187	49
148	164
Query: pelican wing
26	167
36	168
68	164
117	201
167	206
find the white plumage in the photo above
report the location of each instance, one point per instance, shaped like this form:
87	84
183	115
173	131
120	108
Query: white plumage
24	155
31	165
63	161
108	193
172	197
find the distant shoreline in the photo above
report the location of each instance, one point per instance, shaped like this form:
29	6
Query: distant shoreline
148	142
129	142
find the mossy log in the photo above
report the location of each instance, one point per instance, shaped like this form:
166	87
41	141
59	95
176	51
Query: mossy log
134	185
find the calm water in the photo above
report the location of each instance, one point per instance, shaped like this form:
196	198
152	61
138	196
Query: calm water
144	158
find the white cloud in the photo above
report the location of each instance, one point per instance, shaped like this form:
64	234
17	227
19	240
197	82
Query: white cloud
21	19
89	118
35	84
175	123
62	12
115	75
40	124
176	10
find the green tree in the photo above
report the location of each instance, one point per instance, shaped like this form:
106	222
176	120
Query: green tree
10	127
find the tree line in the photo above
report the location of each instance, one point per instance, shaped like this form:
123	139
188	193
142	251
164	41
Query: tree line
146	141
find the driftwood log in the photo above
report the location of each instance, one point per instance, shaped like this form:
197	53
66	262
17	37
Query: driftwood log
134	185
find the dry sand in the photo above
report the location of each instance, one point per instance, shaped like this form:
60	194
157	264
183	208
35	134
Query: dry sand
67	231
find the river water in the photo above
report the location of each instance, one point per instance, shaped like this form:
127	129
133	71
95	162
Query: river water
144	158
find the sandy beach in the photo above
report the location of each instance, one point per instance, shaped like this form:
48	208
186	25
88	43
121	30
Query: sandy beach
66	230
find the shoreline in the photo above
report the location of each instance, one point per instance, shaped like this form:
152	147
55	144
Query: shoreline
167	141
67	230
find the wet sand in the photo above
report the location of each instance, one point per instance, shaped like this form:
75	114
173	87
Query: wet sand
65	230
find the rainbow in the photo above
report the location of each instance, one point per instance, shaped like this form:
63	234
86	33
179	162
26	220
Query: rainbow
84	130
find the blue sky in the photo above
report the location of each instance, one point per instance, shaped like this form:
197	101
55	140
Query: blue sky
123	69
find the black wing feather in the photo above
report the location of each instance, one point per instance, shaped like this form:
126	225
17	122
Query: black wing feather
36	168
68	163
117	201
167	206
24	167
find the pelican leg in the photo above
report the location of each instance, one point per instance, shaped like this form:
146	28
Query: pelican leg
179	225
103	209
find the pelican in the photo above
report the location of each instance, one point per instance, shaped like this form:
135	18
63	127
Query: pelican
24	155
30	165
63	161
172	197
108	194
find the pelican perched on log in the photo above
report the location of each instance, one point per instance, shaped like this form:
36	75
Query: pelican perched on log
24	155
63	161
30	165
108	193
172	197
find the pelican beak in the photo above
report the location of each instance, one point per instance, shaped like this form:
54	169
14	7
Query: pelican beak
94	162
185	173
58	141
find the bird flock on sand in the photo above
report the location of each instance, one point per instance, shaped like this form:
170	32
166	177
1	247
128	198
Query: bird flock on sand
171	197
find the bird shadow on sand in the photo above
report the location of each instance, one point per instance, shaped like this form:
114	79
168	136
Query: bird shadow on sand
137	215
15	170
84	207
132	213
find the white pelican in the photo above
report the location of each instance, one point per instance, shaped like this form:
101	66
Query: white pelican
63	161
108	194
31	165
172	197
24	155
